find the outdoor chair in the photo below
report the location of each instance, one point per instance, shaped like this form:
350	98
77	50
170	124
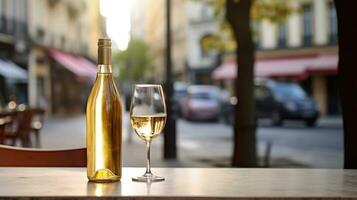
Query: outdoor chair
27	157
9	126
2	131
5	120
21	128
38	117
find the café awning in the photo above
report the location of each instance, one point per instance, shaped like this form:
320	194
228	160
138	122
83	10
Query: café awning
12	72
78	65
297	68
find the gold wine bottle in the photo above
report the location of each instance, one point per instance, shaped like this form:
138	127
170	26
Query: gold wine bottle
104	122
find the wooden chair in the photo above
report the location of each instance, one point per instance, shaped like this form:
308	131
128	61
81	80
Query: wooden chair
10	126
38	117
25	157
2	132
4	120
22	129
23	125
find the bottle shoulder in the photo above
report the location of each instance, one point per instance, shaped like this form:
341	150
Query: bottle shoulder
104	89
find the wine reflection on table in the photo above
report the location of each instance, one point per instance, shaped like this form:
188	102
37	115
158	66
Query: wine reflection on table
103	189
148	187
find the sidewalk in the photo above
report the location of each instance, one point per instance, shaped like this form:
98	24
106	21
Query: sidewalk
59	133
62	133
331	121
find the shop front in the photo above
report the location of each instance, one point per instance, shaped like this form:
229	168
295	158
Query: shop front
59	81
316	73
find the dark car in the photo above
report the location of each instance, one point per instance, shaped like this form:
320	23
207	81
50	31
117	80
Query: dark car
279	101
284	100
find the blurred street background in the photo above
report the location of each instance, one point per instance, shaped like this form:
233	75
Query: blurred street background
209	144
48	55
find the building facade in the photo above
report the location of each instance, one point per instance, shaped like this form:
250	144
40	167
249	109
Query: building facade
201	23
155	34
310	33
56	46
14	47
303	48
63	33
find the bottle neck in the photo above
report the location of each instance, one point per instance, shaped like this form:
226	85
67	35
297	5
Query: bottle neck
104	69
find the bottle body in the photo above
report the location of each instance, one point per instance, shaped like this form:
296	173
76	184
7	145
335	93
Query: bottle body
104	128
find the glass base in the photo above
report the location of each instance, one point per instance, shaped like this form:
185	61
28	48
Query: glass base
148	177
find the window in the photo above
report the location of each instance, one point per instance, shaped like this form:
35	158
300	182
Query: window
52	40
10	22
261	92
256	34
2	7
208	44
2	17
206	11
63	42
84	49
40	34
332	23
307	24
282	35
288	91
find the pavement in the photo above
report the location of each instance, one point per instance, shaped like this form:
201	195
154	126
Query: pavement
203	144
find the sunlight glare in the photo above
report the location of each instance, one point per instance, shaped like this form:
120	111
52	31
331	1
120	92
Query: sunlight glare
117	13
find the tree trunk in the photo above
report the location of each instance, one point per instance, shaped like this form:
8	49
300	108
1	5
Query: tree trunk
244	152
347	73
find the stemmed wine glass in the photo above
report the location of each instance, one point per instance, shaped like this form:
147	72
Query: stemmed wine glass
148	118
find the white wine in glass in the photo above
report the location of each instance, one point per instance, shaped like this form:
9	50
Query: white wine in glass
148	118
148	127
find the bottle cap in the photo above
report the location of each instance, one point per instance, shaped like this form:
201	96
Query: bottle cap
104	51
106	42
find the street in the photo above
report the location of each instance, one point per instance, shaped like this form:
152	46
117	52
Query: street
207	144
292	145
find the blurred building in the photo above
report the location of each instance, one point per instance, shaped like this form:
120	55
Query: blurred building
63	37
138	14
201	23
155	33
47	49
303	48
14	46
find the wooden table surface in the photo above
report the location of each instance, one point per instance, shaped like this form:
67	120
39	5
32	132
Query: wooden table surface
187	183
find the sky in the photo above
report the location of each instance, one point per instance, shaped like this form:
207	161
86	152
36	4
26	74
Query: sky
117	13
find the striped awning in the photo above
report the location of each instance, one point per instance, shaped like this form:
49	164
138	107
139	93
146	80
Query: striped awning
78	65
298	67
12	72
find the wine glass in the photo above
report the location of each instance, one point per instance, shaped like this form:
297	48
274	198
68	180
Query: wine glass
148	118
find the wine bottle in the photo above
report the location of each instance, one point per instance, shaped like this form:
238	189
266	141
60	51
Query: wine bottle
104	122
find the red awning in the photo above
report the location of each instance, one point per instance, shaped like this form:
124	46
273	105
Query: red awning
92	68
298	68
324	64
78	65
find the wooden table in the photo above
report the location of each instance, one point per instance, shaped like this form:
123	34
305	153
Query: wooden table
181	183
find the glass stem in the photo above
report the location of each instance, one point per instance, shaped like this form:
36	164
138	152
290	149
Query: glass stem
148	146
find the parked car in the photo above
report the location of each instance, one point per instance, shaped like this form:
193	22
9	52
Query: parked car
284	100
201	103
180	92
279	101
